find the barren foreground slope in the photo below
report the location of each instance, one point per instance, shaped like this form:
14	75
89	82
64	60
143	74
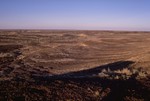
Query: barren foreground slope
74	66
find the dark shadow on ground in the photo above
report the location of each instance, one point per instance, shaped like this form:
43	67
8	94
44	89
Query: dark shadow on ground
95	71
119	88
74	85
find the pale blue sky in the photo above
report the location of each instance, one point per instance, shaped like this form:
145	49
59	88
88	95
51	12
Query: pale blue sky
75	14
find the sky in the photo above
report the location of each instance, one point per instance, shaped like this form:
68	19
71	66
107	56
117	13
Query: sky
75	14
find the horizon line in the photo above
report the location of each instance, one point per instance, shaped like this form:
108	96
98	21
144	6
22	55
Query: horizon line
46	29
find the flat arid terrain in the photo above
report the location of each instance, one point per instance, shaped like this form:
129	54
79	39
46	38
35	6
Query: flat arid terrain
55	65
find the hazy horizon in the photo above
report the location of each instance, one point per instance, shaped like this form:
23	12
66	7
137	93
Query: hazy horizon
75	15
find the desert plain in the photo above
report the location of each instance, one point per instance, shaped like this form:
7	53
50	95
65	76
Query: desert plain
74	65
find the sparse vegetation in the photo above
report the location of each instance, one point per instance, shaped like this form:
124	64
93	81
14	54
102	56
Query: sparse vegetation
74	66
125	73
